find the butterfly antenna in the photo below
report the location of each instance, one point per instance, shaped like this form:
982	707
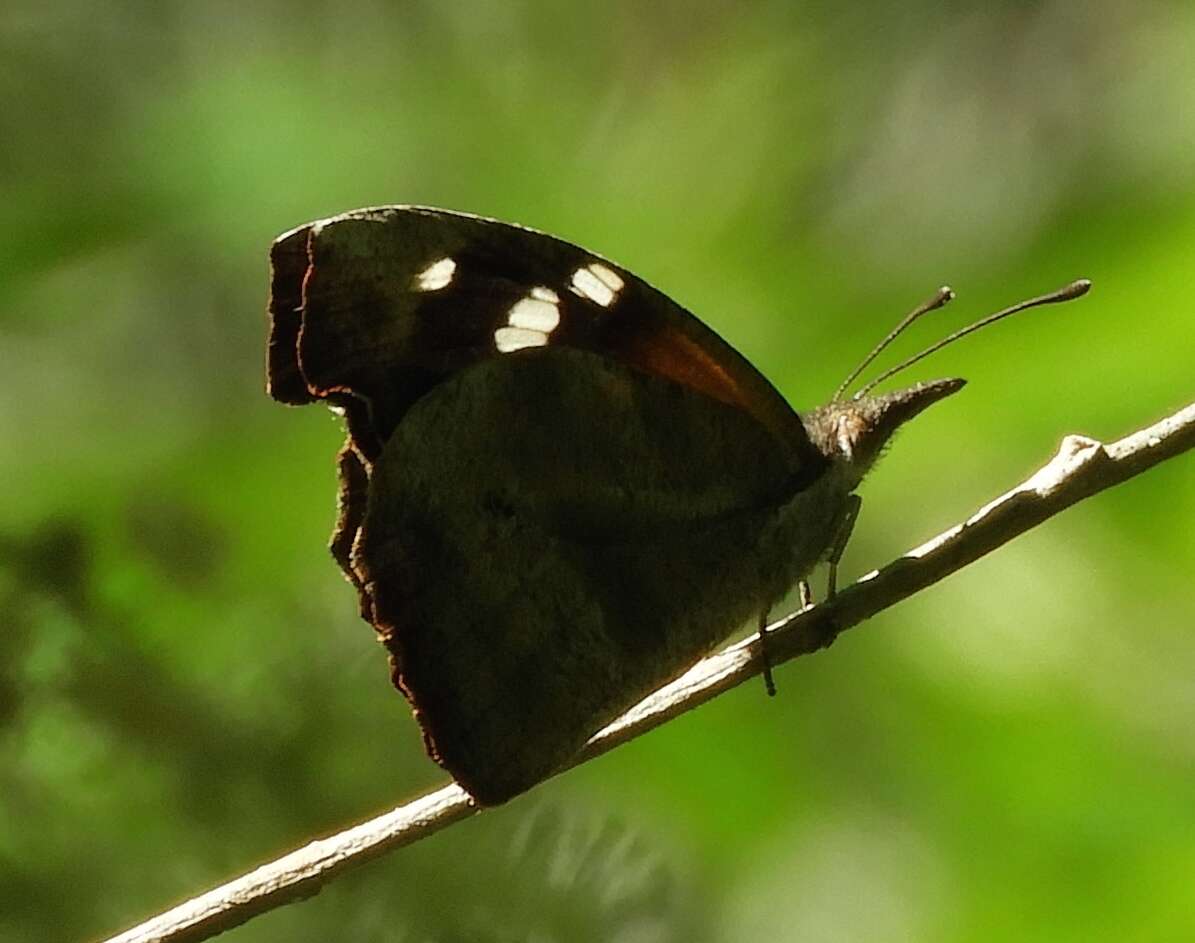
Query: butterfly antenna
1075	289
941	296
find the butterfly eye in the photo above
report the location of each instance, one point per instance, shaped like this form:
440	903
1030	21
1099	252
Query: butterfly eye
597	283
436	276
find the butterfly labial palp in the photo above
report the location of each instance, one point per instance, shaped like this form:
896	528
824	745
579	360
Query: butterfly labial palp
559	488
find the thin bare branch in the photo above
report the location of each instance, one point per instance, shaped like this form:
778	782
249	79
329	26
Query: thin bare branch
1081	468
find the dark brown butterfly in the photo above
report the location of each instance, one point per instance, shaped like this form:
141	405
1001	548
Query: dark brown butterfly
560	489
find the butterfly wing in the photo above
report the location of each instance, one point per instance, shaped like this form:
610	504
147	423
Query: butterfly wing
550	469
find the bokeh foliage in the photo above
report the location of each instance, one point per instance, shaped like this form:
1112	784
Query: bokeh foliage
185	690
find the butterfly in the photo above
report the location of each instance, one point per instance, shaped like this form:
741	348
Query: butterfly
559	488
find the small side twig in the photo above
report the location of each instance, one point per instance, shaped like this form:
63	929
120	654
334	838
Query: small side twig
1081	468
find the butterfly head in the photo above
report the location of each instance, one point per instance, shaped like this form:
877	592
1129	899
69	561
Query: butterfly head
852	433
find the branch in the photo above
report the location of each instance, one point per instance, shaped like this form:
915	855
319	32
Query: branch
1081	468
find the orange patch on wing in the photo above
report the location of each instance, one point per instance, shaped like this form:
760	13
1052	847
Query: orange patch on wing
672	355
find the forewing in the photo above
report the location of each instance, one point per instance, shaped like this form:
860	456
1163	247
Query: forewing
374	308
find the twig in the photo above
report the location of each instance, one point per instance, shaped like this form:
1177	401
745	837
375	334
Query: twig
1081	468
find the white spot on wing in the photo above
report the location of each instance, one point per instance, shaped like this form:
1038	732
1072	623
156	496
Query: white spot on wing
607	276
436	276
530	320
508	339
599	283
534	314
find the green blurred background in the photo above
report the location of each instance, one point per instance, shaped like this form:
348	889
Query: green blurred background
185	689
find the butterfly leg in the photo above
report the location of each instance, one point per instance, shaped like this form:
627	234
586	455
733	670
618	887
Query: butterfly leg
768	682
845	528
